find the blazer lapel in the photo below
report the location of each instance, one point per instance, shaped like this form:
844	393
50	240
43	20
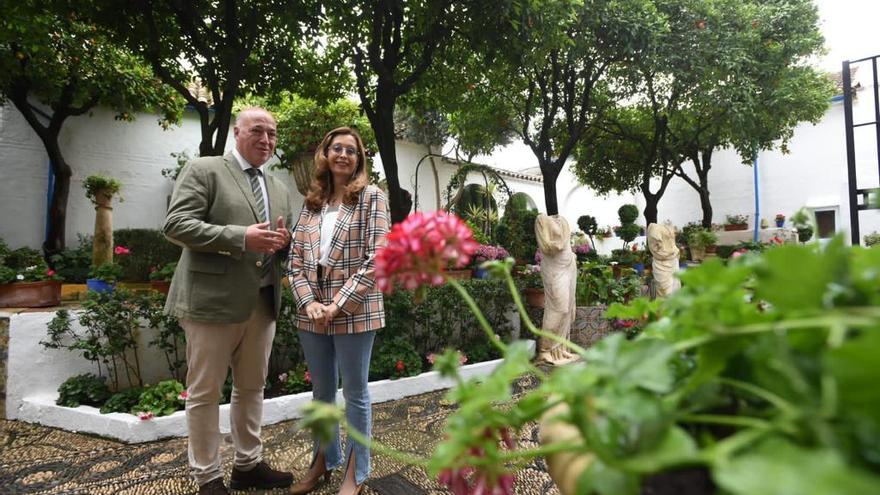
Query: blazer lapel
314	231
343	221
243	182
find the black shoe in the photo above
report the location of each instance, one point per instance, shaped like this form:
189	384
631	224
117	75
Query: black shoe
261	476
213	487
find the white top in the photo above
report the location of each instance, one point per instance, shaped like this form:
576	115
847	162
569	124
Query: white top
328	221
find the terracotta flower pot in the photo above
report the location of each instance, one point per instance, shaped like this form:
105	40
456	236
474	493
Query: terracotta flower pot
160	286
534	297
736	226
30	294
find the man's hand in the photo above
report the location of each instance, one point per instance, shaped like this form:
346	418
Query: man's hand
282	229
259	239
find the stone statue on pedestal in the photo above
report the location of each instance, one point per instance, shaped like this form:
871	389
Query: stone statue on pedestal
661	242
559	274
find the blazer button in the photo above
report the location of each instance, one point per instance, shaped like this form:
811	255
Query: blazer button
259	263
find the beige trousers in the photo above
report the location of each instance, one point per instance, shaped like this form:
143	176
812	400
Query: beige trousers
211	348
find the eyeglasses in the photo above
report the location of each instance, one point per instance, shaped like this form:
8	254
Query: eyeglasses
340	149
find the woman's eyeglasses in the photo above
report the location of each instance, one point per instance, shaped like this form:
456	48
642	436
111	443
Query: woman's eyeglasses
340	149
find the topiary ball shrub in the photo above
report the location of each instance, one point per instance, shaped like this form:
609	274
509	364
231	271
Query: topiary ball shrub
628	213
588	225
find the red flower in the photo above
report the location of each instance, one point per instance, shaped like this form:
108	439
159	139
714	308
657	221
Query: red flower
399	366
50	272
307	377
121	251
421	247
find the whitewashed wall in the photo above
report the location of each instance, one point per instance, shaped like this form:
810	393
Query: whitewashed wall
135	153
812	175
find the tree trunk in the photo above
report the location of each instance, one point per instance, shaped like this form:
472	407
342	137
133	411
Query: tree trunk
550	172
706	205
55	235
650	211
383	128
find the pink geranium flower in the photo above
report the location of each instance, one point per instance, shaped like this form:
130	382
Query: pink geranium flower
183	395
145	415
121	251
307	377
421	247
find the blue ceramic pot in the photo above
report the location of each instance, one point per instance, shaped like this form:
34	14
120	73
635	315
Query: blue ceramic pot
100	286
640	268
481	273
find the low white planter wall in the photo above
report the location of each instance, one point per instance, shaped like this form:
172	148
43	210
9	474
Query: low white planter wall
34	374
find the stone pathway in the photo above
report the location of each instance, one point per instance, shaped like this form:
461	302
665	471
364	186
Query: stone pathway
40	460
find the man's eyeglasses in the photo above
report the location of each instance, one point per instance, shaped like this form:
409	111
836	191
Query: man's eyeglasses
340	149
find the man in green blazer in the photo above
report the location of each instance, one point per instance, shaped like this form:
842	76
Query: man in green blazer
226	292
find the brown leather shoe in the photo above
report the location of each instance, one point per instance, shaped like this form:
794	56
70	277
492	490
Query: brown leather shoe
317	470
214	487
261	476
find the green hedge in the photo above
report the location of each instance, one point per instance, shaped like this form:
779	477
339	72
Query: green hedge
149	248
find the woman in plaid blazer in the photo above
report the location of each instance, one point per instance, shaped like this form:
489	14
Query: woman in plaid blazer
339	307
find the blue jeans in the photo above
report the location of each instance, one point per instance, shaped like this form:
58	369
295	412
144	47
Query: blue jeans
328	356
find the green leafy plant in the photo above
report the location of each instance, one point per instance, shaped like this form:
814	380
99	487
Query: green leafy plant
170	337
181	159
86	389
872	239
732	219
110	323
628	213
149	248
24	265
296	380
702	238
303	122
627	230
123	401
161	399
395	358
72	264
750	372
597	286
108	272
164	273
95	184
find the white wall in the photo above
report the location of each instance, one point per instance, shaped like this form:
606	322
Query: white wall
813	174
135	153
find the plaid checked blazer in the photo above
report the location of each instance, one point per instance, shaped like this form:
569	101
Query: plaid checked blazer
348	280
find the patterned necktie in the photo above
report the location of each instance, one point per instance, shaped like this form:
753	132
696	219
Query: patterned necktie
254	176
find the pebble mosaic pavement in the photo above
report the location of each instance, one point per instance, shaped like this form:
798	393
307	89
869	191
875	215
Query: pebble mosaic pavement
40	460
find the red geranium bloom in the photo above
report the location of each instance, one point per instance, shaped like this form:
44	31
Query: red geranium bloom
121	251
307	377
50	272
399	366
421	247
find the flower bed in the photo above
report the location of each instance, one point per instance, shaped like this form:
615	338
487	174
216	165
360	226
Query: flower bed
31	396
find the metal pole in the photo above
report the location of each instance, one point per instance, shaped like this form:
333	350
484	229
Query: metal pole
850	155
757	198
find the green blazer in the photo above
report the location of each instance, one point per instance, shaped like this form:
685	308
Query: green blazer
212	204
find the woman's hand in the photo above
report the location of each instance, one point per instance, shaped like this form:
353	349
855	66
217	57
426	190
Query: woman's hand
330	312
315	312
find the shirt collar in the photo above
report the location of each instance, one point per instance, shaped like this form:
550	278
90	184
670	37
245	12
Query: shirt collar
244	164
